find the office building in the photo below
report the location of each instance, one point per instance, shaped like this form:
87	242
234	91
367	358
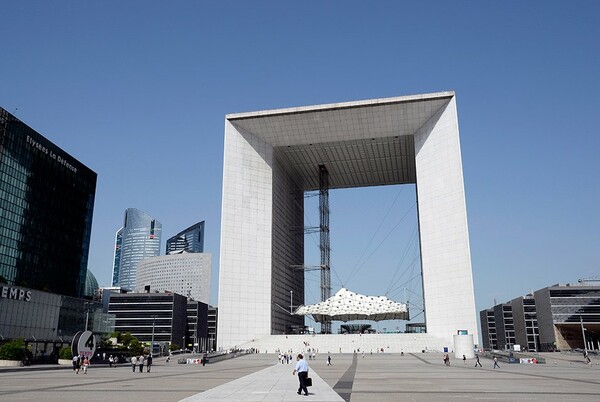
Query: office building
197	326
46	205
190	240
140	239
187	274
117	259
168	318
488	329
556	317
213	317
47	321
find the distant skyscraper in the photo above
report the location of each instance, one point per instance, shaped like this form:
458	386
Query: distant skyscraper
117	260
140	239
190	240
46	207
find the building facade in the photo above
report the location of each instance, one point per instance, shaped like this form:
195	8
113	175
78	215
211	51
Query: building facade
162	316
187	274
213	317
489	340
47	203
46	321
167	318
117	259
140	239
557	317
197	326
190	240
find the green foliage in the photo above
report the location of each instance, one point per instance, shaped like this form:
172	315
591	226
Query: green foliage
105	342
65	353
12	350
126	338
174	346
135	347
3	279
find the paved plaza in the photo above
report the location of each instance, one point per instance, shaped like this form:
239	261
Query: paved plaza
374	378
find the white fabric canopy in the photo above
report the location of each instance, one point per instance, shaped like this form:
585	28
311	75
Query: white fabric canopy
349	306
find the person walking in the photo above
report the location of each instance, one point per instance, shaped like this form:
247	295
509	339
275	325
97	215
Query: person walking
75	358
148	363
302	370
86	363
79	363
464	360
496	362
141	363
329	360
133	363
477	362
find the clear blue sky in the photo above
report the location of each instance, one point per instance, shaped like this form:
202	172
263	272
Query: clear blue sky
138	91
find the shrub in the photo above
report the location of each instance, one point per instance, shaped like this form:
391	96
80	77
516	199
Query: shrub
65	353
13	350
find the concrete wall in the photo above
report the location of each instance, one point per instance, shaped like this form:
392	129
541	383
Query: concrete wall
445	251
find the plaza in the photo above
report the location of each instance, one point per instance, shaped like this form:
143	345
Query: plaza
258	377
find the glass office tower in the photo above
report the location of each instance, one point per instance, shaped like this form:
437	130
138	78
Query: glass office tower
140	239
190	240
117	260
46	207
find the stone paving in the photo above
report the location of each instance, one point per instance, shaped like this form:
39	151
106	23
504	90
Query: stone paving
374	378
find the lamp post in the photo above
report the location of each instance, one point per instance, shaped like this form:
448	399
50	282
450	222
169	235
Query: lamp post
87	314
291	303
152	342
583	334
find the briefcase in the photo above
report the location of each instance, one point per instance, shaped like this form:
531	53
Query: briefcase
308	382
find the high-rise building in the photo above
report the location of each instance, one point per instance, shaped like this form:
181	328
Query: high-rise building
190	240
140	239
46	205
117	259
185	273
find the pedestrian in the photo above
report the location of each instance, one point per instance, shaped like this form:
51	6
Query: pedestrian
133	363
149	363
79	363
464	360
75	358
477	362
329	360
496	362
141	363
86	363
302	370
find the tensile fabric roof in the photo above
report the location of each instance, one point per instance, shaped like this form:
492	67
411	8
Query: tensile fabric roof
349	306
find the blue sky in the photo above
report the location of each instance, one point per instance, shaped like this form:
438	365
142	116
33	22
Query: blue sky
138	91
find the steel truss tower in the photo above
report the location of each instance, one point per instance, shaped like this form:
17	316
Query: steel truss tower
324	237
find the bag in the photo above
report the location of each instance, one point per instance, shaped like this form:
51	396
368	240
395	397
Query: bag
308	382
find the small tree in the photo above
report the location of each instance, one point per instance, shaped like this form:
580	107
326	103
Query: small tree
126	338
135	347
13	350
173	347
65	353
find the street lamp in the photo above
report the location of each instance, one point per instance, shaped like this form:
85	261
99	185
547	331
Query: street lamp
583	334
87	314
152	342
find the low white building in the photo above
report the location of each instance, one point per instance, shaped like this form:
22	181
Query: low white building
185	273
